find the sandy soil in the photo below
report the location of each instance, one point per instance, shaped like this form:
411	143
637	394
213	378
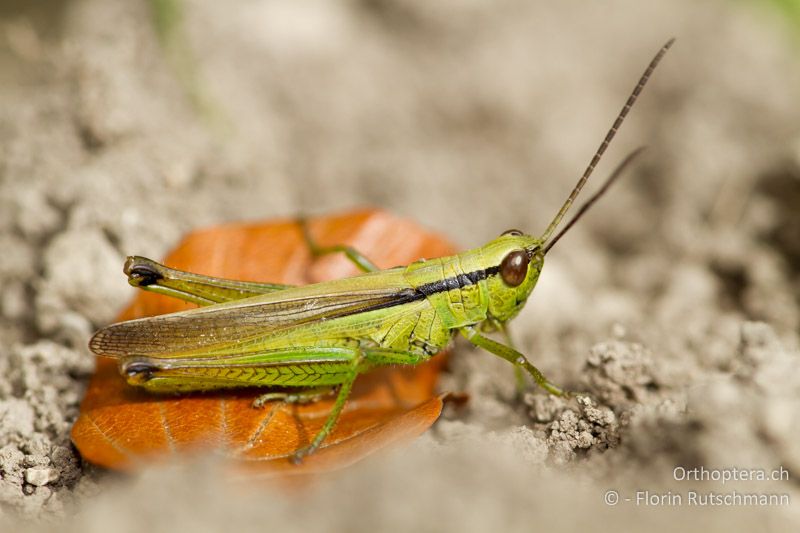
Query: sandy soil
675	302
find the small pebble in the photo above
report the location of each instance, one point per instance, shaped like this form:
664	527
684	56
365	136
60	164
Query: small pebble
40	475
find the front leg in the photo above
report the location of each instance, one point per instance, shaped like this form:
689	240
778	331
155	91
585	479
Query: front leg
513	356
502	327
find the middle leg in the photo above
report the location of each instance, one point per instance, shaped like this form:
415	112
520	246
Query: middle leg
359	259
366	359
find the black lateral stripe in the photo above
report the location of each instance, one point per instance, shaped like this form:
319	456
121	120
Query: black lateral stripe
458	282
423	291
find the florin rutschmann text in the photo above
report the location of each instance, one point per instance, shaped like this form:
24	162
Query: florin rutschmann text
709	498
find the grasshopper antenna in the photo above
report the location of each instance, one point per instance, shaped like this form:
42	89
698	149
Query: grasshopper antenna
601	150
596	196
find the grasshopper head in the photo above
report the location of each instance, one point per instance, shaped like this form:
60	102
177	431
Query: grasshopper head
511	263
517	260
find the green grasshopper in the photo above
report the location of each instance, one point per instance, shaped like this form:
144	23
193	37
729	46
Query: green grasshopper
317	339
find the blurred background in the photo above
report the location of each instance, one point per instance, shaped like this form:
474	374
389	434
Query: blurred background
125	124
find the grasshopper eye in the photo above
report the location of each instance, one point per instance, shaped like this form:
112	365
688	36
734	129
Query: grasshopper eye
513	232
514	268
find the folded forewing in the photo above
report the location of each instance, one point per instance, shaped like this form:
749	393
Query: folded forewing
238	326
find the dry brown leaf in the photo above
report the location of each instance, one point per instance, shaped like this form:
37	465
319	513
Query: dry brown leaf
121	427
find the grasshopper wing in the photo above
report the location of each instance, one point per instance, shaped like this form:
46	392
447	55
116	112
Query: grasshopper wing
265	321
